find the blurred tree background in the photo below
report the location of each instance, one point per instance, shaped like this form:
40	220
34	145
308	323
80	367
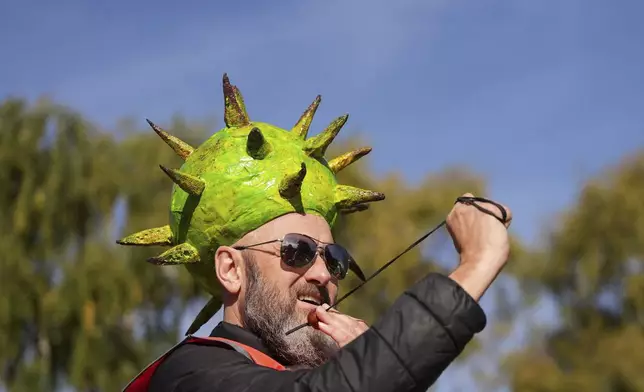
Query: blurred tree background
78	311
593	267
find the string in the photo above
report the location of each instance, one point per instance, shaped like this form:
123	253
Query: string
462	199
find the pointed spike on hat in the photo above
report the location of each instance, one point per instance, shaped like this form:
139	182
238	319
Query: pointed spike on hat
291	184
204	315
235	114
160	236
181	148
344	160
177	255
190	184
347	196
302	126
256	145
316	146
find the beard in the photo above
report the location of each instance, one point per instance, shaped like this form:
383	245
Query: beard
269	312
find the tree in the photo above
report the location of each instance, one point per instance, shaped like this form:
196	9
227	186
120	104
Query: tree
77	310
388	227
74	309
593	266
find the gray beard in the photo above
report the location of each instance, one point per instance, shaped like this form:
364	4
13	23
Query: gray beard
269	313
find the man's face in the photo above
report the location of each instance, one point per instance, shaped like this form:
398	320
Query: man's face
278	297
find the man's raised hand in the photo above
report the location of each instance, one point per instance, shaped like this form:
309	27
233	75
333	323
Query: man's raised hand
482	242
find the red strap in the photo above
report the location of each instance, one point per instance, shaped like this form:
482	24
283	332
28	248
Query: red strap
255	355
141	382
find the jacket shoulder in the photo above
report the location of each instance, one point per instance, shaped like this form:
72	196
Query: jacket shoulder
191	358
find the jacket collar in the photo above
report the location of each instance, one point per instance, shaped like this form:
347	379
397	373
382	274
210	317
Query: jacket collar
239	334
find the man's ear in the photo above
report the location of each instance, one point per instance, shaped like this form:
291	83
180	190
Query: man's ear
228	267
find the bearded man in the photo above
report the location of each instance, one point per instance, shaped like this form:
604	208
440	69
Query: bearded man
254	229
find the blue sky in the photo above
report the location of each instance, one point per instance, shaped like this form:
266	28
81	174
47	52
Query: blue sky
534	95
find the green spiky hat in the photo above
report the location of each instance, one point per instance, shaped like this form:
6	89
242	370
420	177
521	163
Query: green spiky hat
242	177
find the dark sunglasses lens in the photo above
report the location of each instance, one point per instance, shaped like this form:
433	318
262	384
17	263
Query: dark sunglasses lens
337	259
298	250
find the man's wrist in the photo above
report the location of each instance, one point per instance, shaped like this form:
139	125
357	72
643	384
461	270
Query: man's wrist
476	272
487	258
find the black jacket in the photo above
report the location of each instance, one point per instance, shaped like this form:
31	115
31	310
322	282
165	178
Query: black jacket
406	350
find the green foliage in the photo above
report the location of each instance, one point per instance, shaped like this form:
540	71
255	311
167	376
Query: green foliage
78	310
383	231
593	266
73	308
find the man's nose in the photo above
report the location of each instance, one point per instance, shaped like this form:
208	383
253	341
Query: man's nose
318	273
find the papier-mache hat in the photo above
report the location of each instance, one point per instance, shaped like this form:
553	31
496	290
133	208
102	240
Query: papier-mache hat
242	177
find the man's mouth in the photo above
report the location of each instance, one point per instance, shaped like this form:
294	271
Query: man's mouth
310	300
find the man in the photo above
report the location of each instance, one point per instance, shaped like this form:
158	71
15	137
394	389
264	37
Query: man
262	236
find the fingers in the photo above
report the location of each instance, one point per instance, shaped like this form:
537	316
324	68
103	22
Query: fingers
342	328
341	319
493	208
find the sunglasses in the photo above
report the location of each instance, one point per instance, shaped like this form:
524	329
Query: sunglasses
300	250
